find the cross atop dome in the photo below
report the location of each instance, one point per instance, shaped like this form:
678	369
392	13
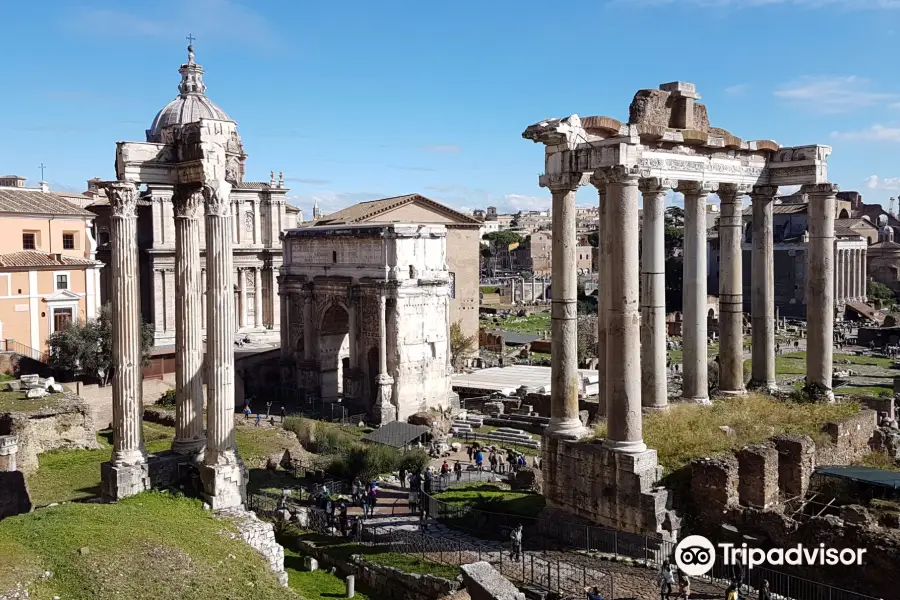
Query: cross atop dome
190	38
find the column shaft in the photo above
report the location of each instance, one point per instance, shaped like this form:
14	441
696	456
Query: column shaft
242	296
128	438
820	286
258	297
382	334
257	222
308	326
762	301
564	420
220	327
623	367
653	295
731	290
286	349
602	292
352	309
859	274
189	434
865	276
695	383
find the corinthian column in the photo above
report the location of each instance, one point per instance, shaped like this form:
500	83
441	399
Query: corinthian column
820	287
258	297
189	434
695	383
126	473
564	420
385	410
762	300
731	292
623	366
653	294
602	290
220	328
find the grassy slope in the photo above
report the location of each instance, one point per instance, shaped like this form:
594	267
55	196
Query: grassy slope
65	475
17	402
152	546
493	498
688	431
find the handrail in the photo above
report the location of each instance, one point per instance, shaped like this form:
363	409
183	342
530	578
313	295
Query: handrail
10	345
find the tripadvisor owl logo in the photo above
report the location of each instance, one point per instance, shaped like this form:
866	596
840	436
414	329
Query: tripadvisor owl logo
695	555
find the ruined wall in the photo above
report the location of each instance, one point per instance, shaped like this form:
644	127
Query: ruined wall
608	488
849	439
259	535
67	425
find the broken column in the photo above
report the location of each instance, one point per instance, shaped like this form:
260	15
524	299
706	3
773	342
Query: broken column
731	298
695	382
653	294
564	419
623	367
820	287
762	283
190	437
223	473
126	473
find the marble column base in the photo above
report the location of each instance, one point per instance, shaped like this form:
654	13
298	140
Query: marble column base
225	485
385	411
697	399
625	447
733	392
189	447
567	429
121	481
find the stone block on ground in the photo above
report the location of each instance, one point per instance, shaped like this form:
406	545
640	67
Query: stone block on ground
118	482
527	479
35	392
310	564
14	498
484	582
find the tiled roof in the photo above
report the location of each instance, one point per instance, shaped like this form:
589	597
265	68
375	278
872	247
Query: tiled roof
251	185
884	246
853	223
36	202
291	208
843	231
34	258
366	210
781	209
396	434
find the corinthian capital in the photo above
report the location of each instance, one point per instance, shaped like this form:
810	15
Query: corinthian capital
187	200
656	185
764	192
730	192
564	182
217	195
623	174
123	197
696	188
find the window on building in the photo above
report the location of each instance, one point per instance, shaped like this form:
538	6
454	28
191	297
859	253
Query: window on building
62	318
28	241
334	256
68	241
103	238
452	284
62	282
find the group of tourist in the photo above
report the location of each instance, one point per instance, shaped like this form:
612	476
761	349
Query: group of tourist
512	462
259	417
667	579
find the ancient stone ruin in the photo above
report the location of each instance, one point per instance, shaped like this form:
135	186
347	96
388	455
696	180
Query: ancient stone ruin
666	145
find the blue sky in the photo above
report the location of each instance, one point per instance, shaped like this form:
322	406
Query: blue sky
358	100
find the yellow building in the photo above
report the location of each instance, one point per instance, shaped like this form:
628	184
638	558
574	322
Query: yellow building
48	274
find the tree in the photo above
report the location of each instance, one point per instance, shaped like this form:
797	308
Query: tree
461	345
879	291
587	337
594	238
503	238
85	348
674	217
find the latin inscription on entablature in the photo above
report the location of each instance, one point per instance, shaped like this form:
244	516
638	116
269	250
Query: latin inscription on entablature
349	251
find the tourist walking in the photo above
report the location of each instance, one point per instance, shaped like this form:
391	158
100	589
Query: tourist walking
428	477
515	538
737	575
258	418
246	410
469	451
283	414
479	459
402	478
268	408
593	593
684	586
367	508
413	500
764	593
457	468
492	460
666	580
373	498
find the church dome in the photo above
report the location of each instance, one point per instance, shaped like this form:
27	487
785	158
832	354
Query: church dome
190	106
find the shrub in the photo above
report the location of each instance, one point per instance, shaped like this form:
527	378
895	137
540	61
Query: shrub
369	461
167	399
304	429
413	461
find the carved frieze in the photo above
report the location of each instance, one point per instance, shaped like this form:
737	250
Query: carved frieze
248	222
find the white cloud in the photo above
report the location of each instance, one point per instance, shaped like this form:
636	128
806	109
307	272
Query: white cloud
874	182
737	90
738	4
442	148
832	95
208	20
875	133
517	202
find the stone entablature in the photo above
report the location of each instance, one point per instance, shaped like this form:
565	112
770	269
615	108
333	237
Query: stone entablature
367	314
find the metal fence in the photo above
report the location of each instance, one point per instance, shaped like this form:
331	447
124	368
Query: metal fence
547	573
27	351
441	483
482	439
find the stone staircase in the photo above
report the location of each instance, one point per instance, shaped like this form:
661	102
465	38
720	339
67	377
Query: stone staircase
466	425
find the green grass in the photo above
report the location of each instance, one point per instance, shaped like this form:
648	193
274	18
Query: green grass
17	402
871	390
534	323
493	498
65	475
151	546
339	549
314	585
689	431
791	363
885	363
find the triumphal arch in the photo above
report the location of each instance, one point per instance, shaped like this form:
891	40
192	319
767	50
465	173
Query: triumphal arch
368	316
667	144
